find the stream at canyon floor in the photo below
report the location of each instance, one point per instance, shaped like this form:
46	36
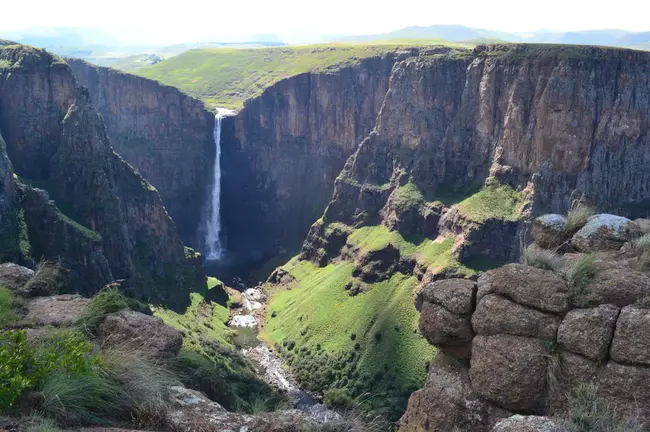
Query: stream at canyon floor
245	322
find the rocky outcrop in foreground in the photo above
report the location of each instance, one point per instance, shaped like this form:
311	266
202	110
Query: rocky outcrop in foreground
521	339
115	225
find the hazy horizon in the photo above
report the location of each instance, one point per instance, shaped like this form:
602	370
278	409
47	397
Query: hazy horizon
146	23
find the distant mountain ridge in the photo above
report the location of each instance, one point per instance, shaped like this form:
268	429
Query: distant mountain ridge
458	33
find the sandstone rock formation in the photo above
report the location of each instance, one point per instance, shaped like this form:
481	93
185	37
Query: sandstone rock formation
530	343
56	141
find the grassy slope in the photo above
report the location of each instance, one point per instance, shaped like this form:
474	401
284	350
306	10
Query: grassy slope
320	311
498	201
227	77
201	320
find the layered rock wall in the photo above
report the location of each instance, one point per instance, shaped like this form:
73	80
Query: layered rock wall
160	131
282	152
56	141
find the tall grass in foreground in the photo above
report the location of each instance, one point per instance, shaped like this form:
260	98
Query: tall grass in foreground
643	242
8	305
577	218
587	412
541	258
579	275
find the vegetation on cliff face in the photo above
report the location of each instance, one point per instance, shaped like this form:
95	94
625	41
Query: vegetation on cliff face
227	77
496	201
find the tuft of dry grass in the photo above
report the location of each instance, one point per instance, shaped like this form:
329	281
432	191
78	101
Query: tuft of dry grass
541	258
577	217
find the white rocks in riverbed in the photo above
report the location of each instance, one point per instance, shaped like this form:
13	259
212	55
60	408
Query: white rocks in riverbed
243	321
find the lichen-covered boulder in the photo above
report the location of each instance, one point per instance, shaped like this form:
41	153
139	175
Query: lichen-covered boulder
549	231
13	276
447	401
529	286
509	371
631	344
626	387
605	232
140	331
617	285
588	332
644	225
497	315
519	423
55	310
443	328
455	295
445	312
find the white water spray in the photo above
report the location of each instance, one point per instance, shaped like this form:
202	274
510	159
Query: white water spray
213	247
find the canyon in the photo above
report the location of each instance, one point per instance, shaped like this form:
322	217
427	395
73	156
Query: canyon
368	184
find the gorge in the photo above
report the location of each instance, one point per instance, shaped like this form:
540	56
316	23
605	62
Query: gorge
345	194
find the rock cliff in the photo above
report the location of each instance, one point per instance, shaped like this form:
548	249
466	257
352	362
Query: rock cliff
282	152
159	130
56	141
542	337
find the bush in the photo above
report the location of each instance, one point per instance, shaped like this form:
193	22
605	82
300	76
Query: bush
8	305
106	302
337	397
541	258
577	218
588	413
14	367
578	275
50	278
643	242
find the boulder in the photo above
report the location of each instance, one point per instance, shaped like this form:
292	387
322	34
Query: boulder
627	388
519	423
13	276
443	328
528	286
128	327
617	285
509	371
588	332
447	401
605	232
55	310
631	342
455	295
644	225
549	231
498	315
570	371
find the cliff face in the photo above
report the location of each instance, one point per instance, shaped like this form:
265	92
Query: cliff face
561	118
162	132
282	152
56	141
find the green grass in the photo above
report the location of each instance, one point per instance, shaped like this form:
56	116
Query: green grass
227	77
407	196
318	313
201	320
426	251
8	306
497	201
106	302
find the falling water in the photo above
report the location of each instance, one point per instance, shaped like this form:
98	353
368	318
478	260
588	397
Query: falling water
213	247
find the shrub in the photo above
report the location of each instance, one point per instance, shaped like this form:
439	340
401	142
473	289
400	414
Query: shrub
588	413
578	275
14	367
337	397
50	278
107	301
643	242
577	218
8	305
541	258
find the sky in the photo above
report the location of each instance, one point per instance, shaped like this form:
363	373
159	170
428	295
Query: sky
166	22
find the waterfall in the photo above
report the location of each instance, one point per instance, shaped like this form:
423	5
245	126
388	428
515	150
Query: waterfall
213	247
